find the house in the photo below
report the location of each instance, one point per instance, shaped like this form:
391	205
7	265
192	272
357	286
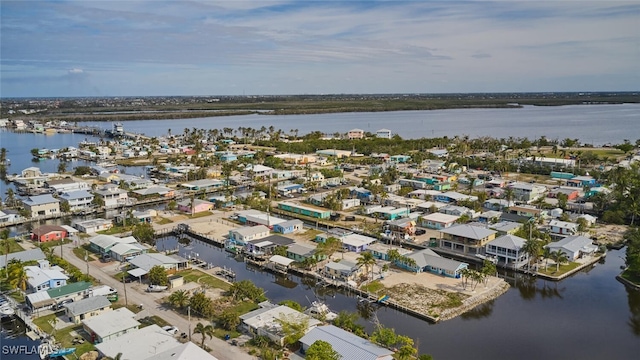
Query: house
92	226
31	172
458	211
505	227
102	244
264	321
591	220
46	299
198	206
111	325
259	171
403	225
348	345
383	134
121	252
453	197
155	191
248	233
112	195
429	207
66	185
427	260
144	262
496	204
439	153
490	217
355	134
22	256
401	159
152	343
562	228
342	270
391	213
289	189
527	211
574	247
356	242
203	184
466	239
300	252
256	217
572	194
526	192
349	203
77	200
581	181
266	245
86	308
305	210
44	276
438	221
381	251
46	233
41	205
289	227
507	249
9	216
136	217
361	193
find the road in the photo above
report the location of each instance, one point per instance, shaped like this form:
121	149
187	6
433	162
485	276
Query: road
136	295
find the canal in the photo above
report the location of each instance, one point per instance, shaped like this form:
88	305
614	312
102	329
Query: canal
590	315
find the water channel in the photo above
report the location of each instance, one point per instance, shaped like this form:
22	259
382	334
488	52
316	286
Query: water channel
587	316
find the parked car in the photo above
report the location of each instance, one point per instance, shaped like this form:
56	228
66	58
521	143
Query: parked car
421	231
105	258
350	218
62	303
171	329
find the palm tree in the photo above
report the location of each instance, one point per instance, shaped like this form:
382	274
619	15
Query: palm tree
367	260
508	195
559	257
17	276
179	299
204	331
532	248
546	255
4	235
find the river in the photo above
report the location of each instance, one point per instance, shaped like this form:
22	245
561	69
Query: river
592	124
589	315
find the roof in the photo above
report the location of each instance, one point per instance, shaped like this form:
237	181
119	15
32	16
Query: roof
267	318
137	272
508	242
147	261
105	241
573	244
300	249
123	249
186	351
45	229
140	344
40	299
441	218
37	276
563	224
342	265
468	231
261	168
348	345
275	239
357	240
89	304
40	200
160	190
78	194
22	256
251	230
69	289
289	223
112	322
281	260
505	226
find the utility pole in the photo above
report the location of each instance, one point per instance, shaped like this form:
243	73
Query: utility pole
189	312
86	260
124	283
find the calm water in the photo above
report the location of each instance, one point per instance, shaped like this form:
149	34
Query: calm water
595	124
587	316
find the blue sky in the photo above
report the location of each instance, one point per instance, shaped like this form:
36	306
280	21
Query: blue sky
145	48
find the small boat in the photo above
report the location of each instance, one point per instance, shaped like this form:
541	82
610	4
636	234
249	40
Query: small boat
320	310
61	352
156	288
383	298
6	310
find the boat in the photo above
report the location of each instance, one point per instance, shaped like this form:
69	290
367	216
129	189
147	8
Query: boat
6	310
320	310
49	350
383	298
156	288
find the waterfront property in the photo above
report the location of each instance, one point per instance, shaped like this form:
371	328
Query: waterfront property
241	236
112	195
289	227
342	270
300	252
562	228
381	251
46	299
305	210
574	247
507	249
383	133
264	321
438	221
204	184
92	226
9	216
355	134
77	200
40	205
266	245
66	185
102	243
348	345
427	260
144	262
86	308
47	233
110	325
194	206
256	217
22	256
356	242
466	239
44	276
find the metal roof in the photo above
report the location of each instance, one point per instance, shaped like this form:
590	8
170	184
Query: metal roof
112	322
467	231
348	345
87	305
22	256
508	242
281	260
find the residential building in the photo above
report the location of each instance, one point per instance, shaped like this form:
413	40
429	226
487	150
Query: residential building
22	256
453	197
527	211
78	200
574	247
466	239
248	233
46	299
305	210
438	221
555	163
348	345
401	159
102	244
427	260
46	233
496	204
526	192
259	171
194	206
144	262
155	191
289	226
122	252
111	325
256	217
355	134
333	152
383	134
381	251
391	213
42	205
507	249
572	194
112	195
505	227
581	181
265	246
66	185
458	211
93	225
204	184
9	216
342	270
86	308
489	217
44	276
356	242
300	252
264	321
562	228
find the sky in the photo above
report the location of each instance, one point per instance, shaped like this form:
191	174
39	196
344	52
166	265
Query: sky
202	47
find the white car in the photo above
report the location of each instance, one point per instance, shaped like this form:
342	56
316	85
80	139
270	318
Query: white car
171	329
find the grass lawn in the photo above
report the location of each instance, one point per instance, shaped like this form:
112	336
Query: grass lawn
164	221
116	230
244	307
133	308
150	320
202	278
13	247
551	270
372	287
82	250
199	215
43	322
50	244
64	335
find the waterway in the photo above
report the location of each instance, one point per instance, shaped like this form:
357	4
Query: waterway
593	124
589	315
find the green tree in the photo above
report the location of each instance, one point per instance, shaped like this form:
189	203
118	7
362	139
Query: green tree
321	350
329	246
348	321
293	327
98	201
280	250
62	167
583	225
17	275
35	153
172	205
179	299
143	232
292	304
245	289
204	331
533	248
367	260
633	252
6	244
559	257
488	268
158	276
65	207
229	319
562	200
201	304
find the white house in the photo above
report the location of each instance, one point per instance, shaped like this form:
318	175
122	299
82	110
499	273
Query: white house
111	325
574	247
112	195
41	205
348	345
507	248
383	134
44	276
247	233
563	228
78	200
264	321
